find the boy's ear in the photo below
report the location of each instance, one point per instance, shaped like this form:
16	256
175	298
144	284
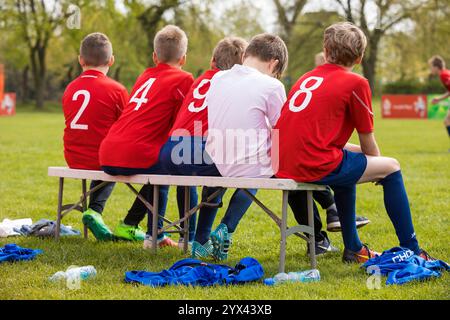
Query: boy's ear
182	61
359	60
81	61
212	63
273	64
155	59
111	61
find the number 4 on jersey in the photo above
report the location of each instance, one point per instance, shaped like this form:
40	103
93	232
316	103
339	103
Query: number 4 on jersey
143	91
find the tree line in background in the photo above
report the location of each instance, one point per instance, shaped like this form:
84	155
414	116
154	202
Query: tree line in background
40	51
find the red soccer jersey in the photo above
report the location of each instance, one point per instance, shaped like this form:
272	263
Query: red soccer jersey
194	108
445	78
91	104
322	111
135	140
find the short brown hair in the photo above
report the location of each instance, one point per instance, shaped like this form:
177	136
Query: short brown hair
228	52
96	49
344	43
438	62
268	47
170	44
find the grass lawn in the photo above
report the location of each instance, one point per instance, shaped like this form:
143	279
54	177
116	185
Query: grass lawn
30	142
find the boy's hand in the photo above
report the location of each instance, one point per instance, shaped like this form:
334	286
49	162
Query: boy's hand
435	101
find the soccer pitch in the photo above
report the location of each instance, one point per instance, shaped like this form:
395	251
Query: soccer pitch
30	142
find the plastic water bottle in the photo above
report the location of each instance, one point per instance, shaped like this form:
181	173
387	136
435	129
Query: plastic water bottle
302	276
81	273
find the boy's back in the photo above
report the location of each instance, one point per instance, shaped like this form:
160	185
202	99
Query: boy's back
325	105
243	99
91	104
136	138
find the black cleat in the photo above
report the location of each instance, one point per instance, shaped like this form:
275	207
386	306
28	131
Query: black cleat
334	225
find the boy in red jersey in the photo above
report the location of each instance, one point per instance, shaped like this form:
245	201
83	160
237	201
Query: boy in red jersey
133	144
437	67
183	153
91	104
323	109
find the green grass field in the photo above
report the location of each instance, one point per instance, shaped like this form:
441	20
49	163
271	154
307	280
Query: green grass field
30	142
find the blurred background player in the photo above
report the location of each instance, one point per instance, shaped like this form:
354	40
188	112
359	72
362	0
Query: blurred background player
437	67
92	103
133	144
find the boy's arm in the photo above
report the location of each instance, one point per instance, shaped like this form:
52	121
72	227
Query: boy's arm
275	103
443	97
369	145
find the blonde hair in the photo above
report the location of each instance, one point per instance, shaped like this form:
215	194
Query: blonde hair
438	62
96	49
170	44
228	52
268	47
344	43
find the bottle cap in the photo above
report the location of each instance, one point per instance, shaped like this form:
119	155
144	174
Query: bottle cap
269	282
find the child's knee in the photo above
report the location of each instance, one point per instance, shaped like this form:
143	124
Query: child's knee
392	165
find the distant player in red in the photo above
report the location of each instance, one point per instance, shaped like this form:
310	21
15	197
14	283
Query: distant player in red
92	103
189	133
437	67
323	109
133	144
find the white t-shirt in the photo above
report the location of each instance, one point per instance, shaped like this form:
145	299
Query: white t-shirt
243	106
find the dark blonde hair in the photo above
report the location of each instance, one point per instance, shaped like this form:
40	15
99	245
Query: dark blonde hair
438	62
344	43
170	44
268	47
96	49
228	52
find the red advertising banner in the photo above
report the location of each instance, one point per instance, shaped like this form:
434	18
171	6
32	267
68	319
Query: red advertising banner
2	82
8	105
404	106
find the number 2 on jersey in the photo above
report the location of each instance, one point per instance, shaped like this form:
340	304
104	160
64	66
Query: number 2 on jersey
87	98
143	90
307	91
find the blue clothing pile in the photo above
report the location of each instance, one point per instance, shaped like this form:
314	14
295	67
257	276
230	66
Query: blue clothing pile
401	265
192	272
12	253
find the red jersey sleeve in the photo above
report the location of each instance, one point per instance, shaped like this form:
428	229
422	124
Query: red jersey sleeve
361	107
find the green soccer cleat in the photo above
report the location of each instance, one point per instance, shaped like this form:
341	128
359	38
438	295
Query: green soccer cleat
202	251
221	240
94	221
130	233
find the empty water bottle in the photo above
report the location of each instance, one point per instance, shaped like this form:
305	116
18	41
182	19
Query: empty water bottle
81	273
302	276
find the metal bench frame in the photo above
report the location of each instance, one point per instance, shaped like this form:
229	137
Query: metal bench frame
284	185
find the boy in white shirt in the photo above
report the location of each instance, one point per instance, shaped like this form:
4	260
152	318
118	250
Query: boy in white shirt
244	103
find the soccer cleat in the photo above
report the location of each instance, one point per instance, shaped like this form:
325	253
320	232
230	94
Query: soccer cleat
221	240
359	257
162	243
130	233
324	246
334	225
94	221
204	251
424	255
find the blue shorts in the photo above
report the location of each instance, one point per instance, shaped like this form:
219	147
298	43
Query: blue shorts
349	171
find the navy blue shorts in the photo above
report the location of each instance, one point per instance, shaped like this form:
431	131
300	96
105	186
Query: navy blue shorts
349	172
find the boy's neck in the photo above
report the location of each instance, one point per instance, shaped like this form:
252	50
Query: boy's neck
257	64
172	64
103	70
340	65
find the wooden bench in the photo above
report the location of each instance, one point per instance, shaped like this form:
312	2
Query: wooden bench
283	185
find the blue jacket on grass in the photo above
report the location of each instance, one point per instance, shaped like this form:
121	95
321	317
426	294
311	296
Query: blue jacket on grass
193	272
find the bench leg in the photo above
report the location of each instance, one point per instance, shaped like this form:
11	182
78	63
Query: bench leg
312	240
187	207
283	229
59	212
84	204
155	217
